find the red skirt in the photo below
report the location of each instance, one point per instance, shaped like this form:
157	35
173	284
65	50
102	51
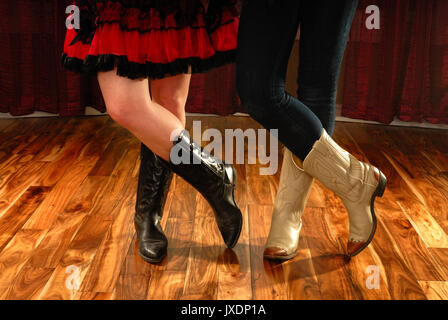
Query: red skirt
145	39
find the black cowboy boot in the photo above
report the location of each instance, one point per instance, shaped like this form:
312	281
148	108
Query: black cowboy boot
153	184
215	180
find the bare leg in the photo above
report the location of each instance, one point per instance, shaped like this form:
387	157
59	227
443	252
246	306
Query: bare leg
172	94
129	103
154	179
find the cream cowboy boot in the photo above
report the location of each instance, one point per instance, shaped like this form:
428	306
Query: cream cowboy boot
355	182
293	191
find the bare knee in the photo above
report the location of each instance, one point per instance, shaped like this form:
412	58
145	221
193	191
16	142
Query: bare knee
121	112
123	97
172	101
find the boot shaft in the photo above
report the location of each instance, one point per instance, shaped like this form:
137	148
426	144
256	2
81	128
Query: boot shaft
339	171
214	179
293	189
198	167
153	184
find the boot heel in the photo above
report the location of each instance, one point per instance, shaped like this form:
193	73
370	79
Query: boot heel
381	185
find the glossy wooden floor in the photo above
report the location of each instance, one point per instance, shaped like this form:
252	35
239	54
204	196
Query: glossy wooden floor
67	195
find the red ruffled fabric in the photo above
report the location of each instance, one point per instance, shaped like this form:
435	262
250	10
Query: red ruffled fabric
138	19
154	47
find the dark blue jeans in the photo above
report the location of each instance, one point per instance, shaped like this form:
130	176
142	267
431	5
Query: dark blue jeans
266	36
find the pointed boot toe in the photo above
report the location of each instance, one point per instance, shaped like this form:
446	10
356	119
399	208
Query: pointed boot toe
276	253
231	229
153	251
355	247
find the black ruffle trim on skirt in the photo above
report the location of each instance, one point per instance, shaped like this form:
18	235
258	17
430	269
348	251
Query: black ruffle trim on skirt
133	70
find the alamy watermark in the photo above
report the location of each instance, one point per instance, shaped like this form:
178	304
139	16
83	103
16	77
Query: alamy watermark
233	143
73	21
73	281
373	280
373	21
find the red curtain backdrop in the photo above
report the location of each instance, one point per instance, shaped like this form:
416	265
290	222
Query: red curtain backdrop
32	79
402	69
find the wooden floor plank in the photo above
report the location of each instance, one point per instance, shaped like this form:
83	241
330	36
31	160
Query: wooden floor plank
435	290
268	278
105	268
15	255
201	279
414	250
58	198
178	222
49	131
135	276
52	247
234	284
238	260
327	254
167	285
67	197
29	283
17	184
300	275
114	152
16	216
76	261
26	133
401	281
358	270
